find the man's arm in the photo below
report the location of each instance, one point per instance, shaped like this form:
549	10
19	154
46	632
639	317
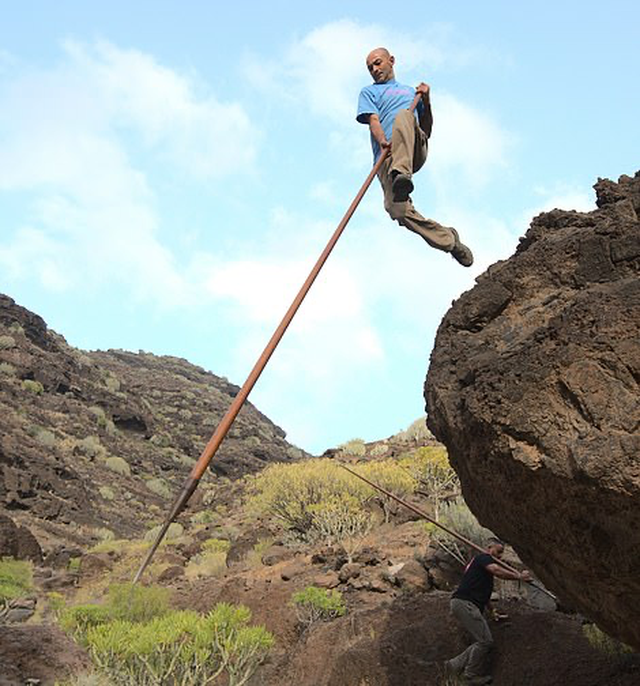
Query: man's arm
502	573
426	115
378	132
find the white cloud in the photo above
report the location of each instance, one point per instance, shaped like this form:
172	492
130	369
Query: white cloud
69	142
165	107
466	142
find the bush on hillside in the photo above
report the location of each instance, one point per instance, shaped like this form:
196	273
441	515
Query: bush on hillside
174	531
211	561
341	520
288	491
79	619
16	578
393	477
435	476
417	432
34	387
91	447
159	487
180	647
136	603
315	604
354	447
457	516
605	643
118	465
318	498
7	369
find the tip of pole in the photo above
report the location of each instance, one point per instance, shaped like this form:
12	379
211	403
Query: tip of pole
178	505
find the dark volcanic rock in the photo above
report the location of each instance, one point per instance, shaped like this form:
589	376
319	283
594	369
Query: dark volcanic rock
103	440
533	388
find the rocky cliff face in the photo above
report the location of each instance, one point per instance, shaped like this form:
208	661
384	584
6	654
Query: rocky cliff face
534	388
95	440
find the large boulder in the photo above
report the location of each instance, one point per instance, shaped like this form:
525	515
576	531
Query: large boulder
533	388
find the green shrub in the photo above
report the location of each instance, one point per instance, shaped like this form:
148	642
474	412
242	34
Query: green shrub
33	386
355	447
16	578
378	450
391	475
45	437
417	432
159	487
136	603
254	556
91	447
288	491
431	469
203	517
216	545
107	492
211	561
111	382
7	369
7	342
174	531
294	453
314	604
181	648
305	496
118	465
457	516
161	440
605	643
79	619
99	414
104	534
341	520
74	565
55	603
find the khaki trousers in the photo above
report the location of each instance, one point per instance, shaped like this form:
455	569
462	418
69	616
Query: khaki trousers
473	661
408	154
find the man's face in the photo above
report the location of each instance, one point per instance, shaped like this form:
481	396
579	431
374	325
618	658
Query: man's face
380	65
496	550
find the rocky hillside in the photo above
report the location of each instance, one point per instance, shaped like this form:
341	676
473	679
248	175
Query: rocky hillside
99	442
394	586
534	387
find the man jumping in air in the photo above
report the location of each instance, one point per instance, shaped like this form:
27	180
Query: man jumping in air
384	106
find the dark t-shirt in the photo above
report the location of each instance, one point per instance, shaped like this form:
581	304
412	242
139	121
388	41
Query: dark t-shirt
477	582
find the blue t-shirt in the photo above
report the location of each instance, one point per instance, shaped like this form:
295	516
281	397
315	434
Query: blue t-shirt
385	100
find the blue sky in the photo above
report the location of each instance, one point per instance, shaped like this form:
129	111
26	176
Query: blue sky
169	172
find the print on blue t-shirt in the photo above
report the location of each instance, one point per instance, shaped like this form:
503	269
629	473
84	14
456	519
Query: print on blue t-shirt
385	100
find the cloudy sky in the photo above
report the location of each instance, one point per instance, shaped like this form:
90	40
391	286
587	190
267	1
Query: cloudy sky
170	171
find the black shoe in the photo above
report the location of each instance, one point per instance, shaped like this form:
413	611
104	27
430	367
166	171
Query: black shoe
401	186
460	252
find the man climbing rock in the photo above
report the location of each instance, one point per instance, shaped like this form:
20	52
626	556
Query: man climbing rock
468	603
384	106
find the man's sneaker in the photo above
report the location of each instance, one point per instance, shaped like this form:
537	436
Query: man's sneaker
401	186
460	252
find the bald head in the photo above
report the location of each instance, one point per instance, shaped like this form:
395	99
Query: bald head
380	65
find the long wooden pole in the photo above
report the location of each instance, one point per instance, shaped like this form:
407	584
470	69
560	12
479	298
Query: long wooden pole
221	431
